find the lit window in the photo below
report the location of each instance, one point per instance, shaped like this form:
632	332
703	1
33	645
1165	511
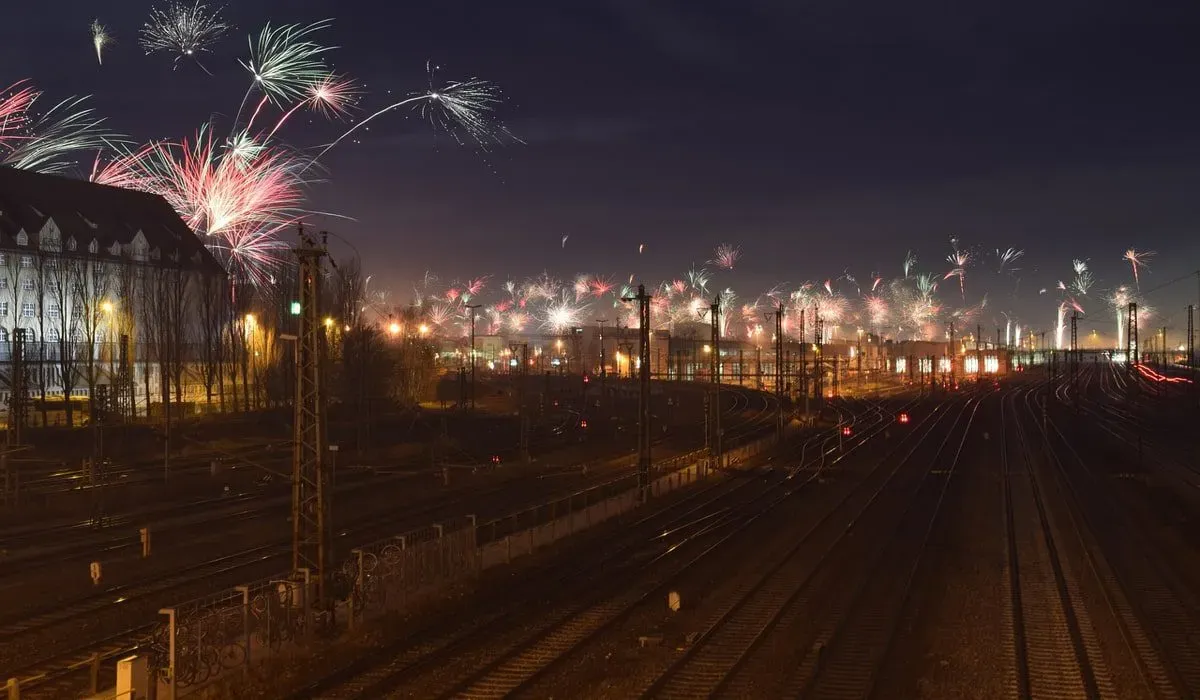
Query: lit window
53	335
26	261
27	284
3	259
27	310
3	283
54	312
3	309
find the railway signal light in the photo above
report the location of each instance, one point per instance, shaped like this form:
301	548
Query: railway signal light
496	459
583	423
847	430
902	418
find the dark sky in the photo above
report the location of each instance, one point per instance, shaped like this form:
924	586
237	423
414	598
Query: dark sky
817	135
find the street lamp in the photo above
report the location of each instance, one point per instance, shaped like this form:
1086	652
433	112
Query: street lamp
394	328
107	307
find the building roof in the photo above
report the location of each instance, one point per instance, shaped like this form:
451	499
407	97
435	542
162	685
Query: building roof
87	212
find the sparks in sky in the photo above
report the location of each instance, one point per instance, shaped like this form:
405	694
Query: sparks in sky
100	39
1007	257
184	30
285	62
959	259
48	142
1137	260
910	263
725	256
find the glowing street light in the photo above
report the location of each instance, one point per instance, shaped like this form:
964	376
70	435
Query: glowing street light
394	328
423	329
328	322
107	307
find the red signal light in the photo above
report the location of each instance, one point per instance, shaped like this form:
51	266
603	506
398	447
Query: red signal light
903	418
846	430
583	423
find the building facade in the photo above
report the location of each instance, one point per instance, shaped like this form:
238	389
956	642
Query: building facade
102	291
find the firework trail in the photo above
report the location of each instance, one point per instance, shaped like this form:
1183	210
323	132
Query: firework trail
237	205
284	63
468	106
100	39
1137	260
725	256
44	144
564	240
959	259
875	284
641	248
183	30
1007	257
1083	278
910	263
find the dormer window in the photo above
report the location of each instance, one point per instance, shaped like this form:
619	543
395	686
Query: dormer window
115	249
94	246
22	238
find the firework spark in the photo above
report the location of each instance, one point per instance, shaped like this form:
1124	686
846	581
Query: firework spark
45	144
1137	260
959	259
183	30
1007	257
725	256
910	263
465	107
100	38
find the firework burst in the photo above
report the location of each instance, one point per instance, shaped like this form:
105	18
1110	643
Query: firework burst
725	256
1137	260
47	143
100	38
183	30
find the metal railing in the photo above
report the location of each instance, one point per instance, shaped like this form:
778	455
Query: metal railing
201	641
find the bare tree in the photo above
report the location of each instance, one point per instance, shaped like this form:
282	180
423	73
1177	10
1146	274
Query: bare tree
60	325
213	316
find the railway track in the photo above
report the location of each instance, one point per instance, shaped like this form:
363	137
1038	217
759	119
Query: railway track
797	586
31	633
1049	625
512	659
1150	576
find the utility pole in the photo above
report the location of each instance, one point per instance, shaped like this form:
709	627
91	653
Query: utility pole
950	352
1163	348
715	313
311	519
819	361
777	341
803	364
471	308
521	350
1075	358
1191	348
643	300
1131	339
603	368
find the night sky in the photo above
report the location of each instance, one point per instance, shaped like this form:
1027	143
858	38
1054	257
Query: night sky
818	136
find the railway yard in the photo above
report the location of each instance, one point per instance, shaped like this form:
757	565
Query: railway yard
1033	537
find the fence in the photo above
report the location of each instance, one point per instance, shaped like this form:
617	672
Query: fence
206	639
202	640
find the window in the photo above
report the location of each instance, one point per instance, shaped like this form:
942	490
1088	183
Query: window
93	246
3	283
27	284
3	335
22	238
54	312
53	335
27	310
26	261
71	243
3	309
3	259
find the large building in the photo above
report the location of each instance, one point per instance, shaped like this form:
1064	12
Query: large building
102	290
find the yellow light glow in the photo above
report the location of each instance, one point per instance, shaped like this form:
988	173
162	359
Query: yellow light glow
328	322
251	322
424	329
107	307
707	349
394	329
